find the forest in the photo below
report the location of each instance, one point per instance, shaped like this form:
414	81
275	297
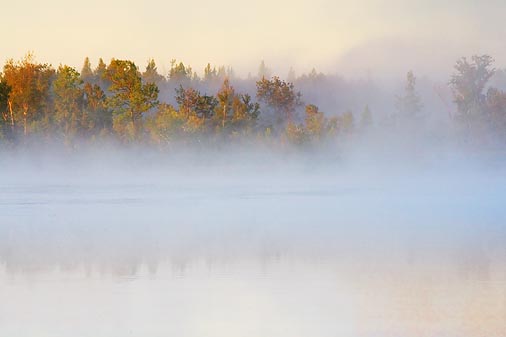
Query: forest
119	102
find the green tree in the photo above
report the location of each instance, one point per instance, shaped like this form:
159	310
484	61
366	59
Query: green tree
97	115
68	101
5	90
130	97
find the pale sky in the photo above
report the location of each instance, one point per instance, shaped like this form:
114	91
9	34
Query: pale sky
332	35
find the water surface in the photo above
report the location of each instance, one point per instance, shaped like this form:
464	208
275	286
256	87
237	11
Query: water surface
252	253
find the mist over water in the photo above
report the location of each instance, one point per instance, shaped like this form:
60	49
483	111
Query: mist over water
140	243
262	169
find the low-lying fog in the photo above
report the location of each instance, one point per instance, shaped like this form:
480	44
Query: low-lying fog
256	245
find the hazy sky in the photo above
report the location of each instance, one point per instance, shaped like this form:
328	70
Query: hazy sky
331	35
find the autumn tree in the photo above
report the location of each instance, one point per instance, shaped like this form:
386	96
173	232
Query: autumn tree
29	97
68	101
317	126
280	96
130	98
315	122
296	134
246	113
224	109
234	111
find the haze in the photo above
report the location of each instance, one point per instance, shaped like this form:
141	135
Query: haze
333	36
249	245
362	198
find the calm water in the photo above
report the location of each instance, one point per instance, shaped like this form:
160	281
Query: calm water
252	254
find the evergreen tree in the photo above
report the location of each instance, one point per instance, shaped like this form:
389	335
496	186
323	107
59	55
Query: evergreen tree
86	72
151	75
291	77
130	97
68	101
263	71
100	75
210	74
409	104
96	112
366	118
179	72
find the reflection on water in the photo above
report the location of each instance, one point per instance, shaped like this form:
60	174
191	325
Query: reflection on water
284	298
291	256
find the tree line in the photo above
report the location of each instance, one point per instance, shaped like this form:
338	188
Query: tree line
117	101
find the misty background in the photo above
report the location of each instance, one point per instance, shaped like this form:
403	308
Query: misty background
374	207
386	38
